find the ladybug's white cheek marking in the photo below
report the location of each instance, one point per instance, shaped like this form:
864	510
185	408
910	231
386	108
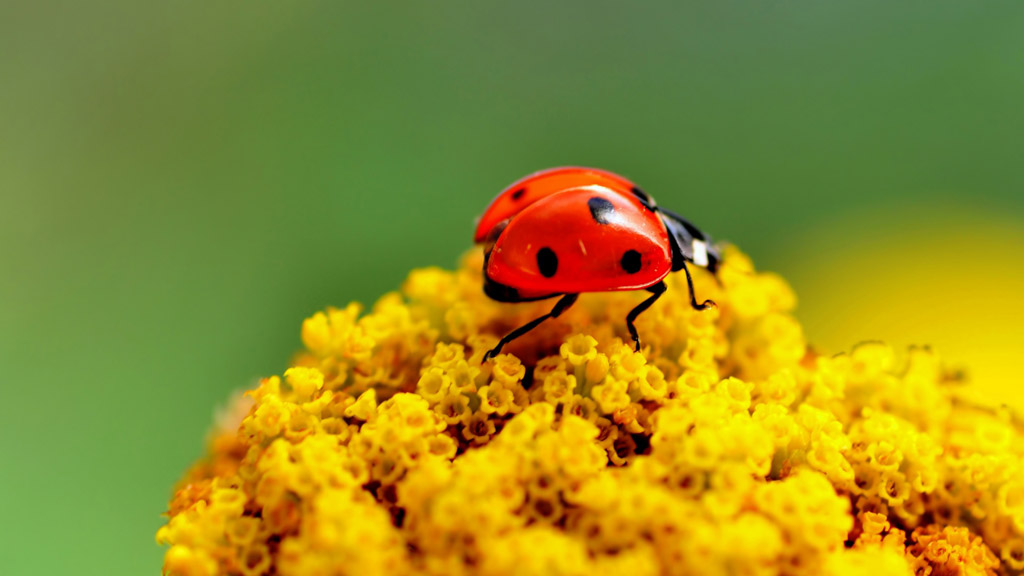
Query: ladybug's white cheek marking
700	253
583	248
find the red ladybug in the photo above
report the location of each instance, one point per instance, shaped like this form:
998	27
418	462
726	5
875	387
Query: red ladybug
563	231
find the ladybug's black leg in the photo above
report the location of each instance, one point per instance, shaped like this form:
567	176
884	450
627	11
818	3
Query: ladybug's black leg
693	298
658	289
561	306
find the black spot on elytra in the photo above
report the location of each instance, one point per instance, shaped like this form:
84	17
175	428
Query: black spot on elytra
547	262
601	209
630	262
645	199
518	193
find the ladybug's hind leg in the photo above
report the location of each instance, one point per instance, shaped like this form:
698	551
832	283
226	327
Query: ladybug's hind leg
561	306
657	290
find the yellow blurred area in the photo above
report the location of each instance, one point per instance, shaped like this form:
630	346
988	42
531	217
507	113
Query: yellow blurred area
951	278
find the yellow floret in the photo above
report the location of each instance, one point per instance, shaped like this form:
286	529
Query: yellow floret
579	349
304	381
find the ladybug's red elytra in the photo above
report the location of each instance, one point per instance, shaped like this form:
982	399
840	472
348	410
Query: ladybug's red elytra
564	231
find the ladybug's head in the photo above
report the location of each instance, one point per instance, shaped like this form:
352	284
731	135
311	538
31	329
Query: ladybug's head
689	244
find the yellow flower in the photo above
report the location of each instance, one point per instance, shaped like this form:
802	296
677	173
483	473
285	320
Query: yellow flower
463	376
185	561
478	429
304	381
454	408
447	355
1013	554
579	349
952	550
612	395
597	369
496	399
433	385
508	369
558	387
627	364
365	407
585	408
727	446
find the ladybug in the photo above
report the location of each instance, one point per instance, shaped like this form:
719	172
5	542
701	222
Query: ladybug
563	231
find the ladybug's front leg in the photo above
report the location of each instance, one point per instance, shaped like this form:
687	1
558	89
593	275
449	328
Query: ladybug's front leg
561	306
658	289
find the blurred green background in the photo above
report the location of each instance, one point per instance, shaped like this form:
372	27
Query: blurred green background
182	183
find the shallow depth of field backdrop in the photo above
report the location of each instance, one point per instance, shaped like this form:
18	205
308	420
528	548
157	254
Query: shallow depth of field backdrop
182	183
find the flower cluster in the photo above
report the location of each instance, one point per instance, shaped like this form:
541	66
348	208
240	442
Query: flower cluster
725	446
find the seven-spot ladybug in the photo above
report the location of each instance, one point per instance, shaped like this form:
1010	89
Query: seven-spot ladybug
563	231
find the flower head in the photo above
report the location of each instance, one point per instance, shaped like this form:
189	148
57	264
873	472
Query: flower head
726	446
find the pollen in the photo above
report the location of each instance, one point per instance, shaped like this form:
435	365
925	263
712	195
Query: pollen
728	445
